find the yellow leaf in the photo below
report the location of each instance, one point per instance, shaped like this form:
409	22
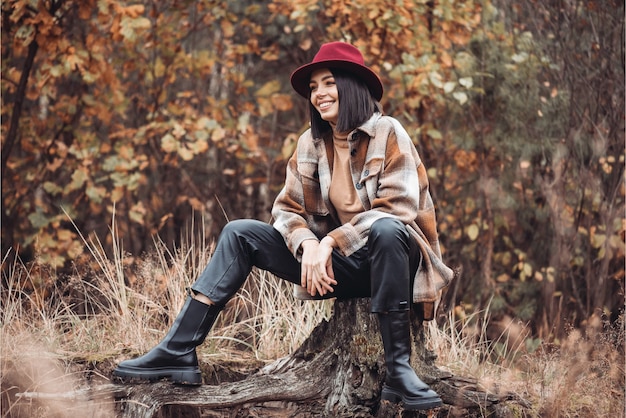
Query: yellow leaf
75	249
137	212
289	145
169	143
268	89
597	240
196	204
472	232
227	28
460	97
436	79
141	23
270	55
526	271
198	147
126	152
159	67
446	59
466	82
64	235
178	131
134	10
74	61
282	102
265	106
218	134
185	153
243	122
434	133
503	278
117	194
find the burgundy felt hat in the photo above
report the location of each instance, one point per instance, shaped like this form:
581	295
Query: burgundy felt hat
337	55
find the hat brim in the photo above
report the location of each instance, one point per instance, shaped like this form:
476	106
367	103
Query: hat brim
301	77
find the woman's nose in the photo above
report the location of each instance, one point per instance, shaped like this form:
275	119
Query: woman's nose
320	91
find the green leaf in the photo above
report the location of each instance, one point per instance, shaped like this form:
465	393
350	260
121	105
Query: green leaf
38	219
26	33
79	177
95	194
201	135
52	188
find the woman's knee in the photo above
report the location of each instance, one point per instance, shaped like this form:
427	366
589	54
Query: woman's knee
239	226
387	231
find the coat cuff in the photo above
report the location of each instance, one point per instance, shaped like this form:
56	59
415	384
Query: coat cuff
347	239
297	238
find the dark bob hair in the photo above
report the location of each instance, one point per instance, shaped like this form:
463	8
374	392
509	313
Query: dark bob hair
356	105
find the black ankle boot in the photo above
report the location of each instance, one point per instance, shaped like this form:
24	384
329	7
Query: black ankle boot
174	358
401	382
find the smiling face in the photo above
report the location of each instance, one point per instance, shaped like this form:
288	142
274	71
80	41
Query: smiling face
324	96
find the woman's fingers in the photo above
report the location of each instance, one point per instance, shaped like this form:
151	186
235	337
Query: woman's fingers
316	269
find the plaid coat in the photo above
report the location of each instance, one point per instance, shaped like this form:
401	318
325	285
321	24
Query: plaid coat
390	180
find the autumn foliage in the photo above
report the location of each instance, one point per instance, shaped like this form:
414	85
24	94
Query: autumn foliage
153	116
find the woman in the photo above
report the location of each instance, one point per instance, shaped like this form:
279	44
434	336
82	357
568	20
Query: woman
354	219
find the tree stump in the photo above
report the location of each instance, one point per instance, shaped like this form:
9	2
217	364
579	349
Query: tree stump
337	372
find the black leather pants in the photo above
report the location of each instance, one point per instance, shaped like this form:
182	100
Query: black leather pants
383	269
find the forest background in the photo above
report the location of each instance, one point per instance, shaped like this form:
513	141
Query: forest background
144	122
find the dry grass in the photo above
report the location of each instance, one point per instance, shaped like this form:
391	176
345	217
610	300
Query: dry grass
582	376
59	334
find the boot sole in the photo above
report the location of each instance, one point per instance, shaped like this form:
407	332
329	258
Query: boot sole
189	376
410	403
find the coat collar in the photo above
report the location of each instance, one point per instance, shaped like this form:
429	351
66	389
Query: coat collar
369	127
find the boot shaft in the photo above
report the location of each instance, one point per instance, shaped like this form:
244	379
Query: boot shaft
395	329
191	326
175	356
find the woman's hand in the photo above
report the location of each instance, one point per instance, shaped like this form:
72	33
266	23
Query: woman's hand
317	274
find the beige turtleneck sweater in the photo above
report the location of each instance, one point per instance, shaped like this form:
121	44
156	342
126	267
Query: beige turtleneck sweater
342	193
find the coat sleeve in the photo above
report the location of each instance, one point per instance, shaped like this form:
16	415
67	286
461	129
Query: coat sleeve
289	210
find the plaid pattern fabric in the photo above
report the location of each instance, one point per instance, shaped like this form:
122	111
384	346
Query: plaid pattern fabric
390	180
